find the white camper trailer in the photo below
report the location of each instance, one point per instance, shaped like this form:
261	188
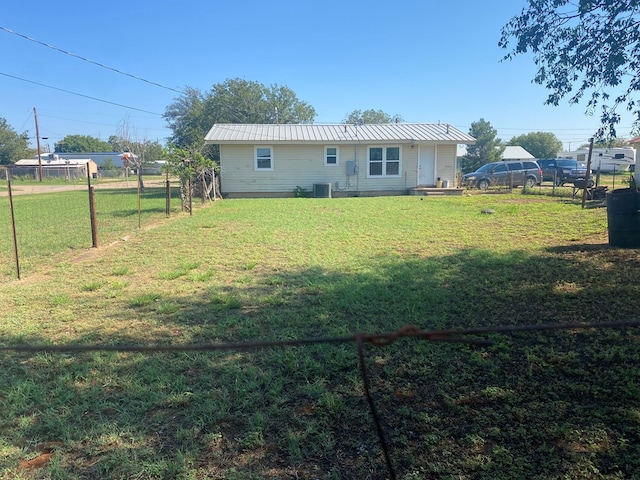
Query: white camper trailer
606	159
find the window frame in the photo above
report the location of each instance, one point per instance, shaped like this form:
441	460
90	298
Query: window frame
384	161
336	155
256	166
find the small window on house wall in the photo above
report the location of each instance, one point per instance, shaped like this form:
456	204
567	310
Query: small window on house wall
331	156
264	158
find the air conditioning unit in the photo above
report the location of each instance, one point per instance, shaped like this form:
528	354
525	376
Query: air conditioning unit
322	190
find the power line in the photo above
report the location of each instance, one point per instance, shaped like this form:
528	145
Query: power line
89	61
80	94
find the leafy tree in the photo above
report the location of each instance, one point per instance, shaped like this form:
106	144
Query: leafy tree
13	145
579	47
196	172
192	114
109	165
488	148
189	117
81	144
371	116
539	144
242	101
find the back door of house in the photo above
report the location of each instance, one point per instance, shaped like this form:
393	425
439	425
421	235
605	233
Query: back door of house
427	165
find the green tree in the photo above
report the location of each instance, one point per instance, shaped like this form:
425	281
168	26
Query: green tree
580	47
196	172
488	148
243	101
13	145
191	115
81	144
109	165
539	144
371	116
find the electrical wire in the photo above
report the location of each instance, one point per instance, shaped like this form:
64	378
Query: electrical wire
101	65
80	94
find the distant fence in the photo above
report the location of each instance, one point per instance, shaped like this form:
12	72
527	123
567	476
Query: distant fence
41	220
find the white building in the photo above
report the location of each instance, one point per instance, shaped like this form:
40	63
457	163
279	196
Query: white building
274	160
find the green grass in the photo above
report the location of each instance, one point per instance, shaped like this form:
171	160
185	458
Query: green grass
48	224
551	405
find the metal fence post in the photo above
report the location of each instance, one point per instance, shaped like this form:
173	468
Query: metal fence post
92	211
13	225
168	193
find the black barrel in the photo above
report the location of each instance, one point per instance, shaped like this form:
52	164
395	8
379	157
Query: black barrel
623	217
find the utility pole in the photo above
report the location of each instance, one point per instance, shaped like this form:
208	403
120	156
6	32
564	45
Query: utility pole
35	116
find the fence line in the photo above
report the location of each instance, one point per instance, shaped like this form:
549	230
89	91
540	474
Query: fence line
55	217
455	335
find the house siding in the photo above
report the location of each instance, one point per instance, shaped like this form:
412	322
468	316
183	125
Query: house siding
301	165
446	163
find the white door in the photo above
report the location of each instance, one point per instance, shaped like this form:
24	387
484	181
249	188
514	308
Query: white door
427	165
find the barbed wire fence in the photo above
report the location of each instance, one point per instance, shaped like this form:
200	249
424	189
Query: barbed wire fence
470	336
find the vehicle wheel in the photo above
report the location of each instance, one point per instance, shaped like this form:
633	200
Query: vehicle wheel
483	184
590	183
530	182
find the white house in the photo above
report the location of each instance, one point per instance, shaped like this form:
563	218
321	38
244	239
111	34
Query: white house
516	152
275	160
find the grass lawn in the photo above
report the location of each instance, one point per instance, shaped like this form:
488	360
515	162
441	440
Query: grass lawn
50	223
537	405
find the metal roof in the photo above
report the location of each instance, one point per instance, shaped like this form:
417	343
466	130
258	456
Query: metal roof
236	133
516	152
30	162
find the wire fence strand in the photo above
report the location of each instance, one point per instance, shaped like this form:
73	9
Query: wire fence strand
452	335
455	335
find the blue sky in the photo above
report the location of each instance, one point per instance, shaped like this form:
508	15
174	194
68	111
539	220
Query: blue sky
423	61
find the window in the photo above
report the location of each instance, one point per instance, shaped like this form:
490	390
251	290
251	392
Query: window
331	156
264	158
515	166
384	161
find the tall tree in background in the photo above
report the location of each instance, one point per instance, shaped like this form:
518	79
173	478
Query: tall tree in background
583	46
371	116
488	148
539	144
242	101
13	145
191	115
81	144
